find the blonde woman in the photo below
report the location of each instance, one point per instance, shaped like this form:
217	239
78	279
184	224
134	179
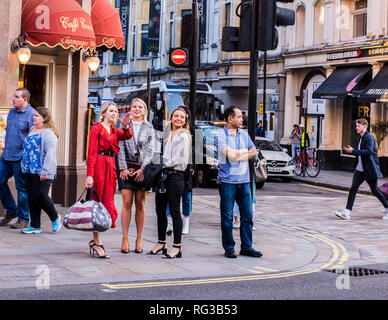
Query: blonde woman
139	149
176	155
39	166
101	170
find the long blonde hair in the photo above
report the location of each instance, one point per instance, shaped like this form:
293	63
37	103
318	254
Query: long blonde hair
48	119
144	105
105	107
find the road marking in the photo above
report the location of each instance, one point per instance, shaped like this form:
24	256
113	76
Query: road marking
339	257
335	190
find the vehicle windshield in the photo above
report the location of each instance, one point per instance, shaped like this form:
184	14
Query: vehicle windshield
267	145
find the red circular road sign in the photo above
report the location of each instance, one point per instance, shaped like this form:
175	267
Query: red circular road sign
178	56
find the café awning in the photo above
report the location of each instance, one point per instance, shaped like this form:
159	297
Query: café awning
107	25
57	23
342	82
377	90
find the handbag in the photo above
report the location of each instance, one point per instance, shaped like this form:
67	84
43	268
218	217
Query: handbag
133	166
384	189
260	171
88	215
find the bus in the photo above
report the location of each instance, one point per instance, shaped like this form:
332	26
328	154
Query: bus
167	96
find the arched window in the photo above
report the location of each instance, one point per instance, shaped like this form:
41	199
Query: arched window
319	22
300	26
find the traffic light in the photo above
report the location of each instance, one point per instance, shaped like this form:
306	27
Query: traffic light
270	16
238	38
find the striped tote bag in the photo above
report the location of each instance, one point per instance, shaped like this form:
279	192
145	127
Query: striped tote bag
88	215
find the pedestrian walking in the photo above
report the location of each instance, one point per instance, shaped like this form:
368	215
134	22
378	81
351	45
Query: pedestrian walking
19	123
367	169
101	169
295	141
235	148
176	156
39	166
139	149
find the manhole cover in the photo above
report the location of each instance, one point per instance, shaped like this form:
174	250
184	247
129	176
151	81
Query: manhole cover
357	271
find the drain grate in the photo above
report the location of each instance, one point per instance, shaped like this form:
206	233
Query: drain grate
357	271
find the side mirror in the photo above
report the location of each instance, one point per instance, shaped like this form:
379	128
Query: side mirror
285	150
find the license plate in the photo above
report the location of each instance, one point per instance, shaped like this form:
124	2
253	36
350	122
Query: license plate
274	170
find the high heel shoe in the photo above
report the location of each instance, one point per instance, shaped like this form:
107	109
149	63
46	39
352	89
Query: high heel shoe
102	255
138	250
178	255
163	249
124	250
91	244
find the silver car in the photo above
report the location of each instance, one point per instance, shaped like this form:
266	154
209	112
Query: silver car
279	163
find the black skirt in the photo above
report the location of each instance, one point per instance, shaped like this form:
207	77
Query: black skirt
129	184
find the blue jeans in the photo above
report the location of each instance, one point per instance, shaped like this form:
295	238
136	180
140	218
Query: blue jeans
294	150
240	193
186	203
7	170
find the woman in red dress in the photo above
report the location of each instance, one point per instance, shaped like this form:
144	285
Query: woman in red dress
101	170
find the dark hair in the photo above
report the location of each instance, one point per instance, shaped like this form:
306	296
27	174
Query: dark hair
296	126
229	112
25	93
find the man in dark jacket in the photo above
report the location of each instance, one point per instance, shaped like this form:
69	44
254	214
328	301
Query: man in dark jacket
367	169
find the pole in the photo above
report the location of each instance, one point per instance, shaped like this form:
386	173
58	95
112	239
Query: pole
253	64
265	92
193	63
149	88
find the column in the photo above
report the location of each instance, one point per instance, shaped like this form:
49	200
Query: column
329	122
375	108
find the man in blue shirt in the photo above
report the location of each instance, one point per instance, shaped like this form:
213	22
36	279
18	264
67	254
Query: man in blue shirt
19	123
235	148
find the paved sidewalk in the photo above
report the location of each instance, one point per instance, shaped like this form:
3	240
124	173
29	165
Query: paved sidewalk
336	179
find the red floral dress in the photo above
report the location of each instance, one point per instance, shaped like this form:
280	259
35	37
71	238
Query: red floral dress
102	167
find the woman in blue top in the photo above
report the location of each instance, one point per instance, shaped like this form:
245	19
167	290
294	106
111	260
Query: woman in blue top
39	165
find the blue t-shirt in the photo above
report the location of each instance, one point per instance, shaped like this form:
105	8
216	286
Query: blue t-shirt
19	123
31	154
234	172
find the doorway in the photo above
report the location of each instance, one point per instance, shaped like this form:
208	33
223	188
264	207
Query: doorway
35	81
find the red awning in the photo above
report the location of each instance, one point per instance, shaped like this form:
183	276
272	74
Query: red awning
57	23
107	25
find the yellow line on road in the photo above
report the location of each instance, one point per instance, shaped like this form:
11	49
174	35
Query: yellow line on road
336	260
335	190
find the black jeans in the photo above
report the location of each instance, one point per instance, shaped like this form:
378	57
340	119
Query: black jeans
38	199
358	179
174	188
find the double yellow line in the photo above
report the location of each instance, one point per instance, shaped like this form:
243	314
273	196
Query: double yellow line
339	256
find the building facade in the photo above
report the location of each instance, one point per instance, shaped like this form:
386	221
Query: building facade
226	72
334	66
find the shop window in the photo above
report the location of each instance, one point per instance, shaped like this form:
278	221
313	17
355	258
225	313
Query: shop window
300	26
319	22
352	112
360	18
144	40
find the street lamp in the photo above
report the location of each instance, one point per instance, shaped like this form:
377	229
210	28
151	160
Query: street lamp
92	59
21	48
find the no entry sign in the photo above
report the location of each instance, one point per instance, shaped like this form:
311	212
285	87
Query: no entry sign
179	57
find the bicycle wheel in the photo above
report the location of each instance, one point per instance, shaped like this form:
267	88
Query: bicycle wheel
313	168
298	166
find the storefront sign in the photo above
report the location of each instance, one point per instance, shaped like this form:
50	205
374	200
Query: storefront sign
274	101
154	26
202	8
3	125
344	55
378	51
123	7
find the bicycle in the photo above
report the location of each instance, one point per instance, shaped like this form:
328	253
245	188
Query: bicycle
305	164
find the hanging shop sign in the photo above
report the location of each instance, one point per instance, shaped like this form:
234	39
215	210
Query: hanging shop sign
154	26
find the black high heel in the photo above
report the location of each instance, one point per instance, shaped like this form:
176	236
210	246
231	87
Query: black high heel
163	249
105	256
91	244
178	255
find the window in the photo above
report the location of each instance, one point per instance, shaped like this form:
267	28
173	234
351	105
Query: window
300	26
360	18
144	40
227	15
134	42
172	34
319	22
186	29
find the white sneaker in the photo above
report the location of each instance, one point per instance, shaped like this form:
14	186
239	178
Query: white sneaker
236	225
186	222
343	214
385	217
253	228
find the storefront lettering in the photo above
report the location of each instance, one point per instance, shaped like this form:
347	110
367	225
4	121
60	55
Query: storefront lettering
343	55
379	92
43	20
75	23
109	41
363	112
68	41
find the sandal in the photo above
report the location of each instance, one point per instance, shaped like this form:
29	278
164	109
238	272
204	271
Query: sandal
91	244
103	255
178	255
163	249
